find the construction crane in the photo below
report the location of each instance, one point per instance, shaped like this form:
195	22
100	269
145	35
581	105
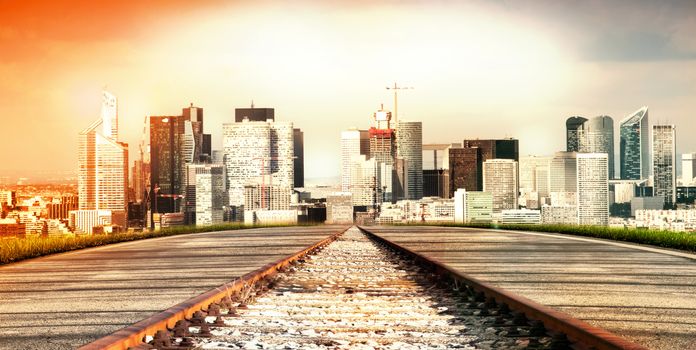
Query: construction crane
396	89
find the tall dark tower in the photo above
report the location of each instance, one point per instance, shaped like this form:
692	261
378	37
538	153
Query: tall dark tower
298	152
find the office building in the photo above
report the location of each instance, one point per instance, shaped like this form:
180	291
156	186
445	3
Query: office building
197	145
573	127
535	175
472	206
62	209
465	169
436	174
167	163
205	194
559	214
688	168
466	165
103	163
520	217
593	188
298	160
254	149
686	194
597	136
563	174
664	157
354	142
409	139
500	179
254	114
392	177
366	177
634	146
339	208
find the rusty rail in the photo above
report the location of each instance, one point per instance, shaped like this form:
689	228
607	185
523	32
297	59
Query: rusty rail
135	334
575	329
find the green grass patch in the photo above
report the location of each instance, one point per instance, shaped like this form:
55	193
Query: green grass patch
12	250
658	238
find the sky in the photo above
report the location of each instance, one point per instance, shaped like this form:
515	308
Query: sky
485	69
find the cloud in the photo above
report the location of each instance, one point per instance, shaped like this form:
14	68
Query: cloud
636	47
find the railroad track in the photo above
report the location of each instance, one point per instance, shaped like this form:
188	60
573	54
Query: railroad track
357	291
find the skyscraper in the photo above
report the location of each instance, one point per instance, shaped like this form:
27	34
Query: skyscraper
354	142
103	164
664	158
688	168
597	136
573	125
634	146
464	173
500	179
409	138
298	161
436	170
200	149
563	172
593	188
254	114
465	169
206	184
383	151
257	152
167	163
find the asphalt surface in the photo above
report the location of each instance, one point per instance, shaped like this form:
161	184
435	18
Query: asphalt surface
67	300
644	294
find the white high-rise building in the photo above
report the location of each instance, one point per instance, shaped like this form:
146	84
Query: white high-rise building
103	164
256	149
350	147
564	172
664	162
500	179
688	168
208	189
366	175
409	147
593	188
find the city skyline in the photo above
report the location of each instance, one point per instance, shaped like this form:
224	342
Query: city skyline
332	64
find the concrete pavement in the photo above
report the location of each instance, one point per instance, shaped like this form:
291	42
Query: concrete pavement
66	300
645	295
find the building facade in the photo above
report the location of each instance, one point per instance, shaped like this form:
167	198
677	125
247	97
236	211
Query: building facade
103	163
664	168
409	136
597	136
634	146
688	168
573	127
593	189
500	179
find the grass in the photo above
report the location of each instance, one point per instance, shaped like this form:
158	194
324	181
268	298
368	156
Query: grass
664	239
13	250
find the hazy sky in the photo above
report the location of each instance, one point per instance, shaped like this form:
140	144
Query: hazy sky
480	69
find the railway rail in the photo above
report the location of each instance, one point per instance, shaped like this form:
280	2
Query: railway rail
356	290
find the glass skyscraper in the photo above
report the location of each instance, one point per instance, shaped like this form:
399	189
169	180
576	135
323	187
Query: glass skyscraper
573	124
409	138
103	163
634	144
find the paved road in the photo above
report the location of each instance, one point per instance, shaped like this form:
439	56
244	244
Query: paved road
645	295
66	300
